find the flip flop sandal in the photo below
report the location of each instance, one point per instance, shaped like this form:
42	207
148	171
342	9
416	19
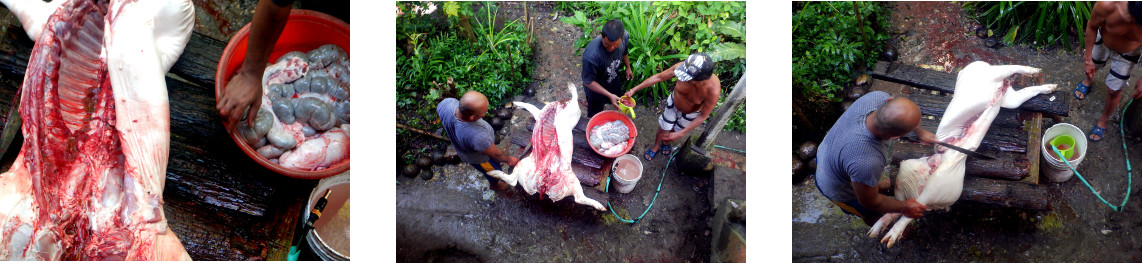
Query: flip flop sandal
666	149
650	154
1099	131
1083	89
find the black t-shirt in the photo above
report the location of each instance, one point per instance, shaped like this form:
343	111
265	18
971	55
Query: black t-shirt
604	67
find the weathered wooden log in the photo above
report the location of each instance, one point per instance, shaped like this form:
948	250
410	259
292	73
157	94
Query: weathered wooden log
946	82
934	105
199	61
1005	193
1006	166
996	139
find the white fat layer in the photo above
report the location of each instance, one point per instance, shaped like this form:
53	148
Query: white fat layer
137	72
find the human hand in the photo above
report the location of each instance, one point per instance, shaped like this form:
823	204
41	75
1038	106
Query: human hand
630	75
614	99
512	161
1137	90
1089	68
241	97
913	209
928	138
673	136
629	93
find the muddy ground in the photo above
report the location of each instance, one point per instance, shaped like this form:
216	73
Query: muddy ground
454	217
1080	228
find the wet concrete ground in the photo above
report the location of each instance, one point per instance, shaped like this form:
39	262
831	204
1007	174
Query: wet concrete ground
454	217
1080	228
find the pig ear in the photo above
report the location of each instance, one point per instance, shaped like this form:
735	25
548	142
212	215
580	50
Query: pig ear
32	14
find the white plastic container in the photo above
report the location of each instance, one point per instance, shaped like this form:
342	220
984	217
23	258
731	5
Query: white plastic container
1054	168
330	237
626	170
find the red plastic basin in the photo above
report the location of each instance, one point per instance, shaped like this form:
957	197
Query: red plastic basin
305	31
609	116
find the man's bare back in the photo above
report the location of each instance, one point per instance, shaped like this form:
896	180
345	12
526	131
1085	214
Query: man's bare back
1119	30
689	98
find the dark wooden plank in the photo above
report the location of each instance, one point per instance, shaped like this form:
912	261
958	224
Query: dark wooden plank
946	83
222	204
997	138
199	60
935	104
1005	193
1006	166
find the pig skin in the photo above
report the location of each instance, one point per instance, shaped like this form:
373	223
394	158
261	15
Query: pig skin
937	180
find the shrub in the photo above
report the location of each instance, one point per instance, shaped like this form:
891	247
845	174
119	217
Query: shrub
498	63
1050	21
828	45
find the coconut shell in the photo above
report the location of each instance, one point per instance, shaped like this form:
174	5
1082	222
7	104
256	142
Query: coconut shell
496	123
863	79
798	166
504	114
889	54
855	92
981	31
808	150
529	92
424	162
426	175
437	157
411	170
813	165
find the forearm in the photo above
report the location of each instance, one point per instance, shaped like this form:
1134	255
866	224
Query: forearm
1091	34
626	61
885	204
267	25
594	86
645	83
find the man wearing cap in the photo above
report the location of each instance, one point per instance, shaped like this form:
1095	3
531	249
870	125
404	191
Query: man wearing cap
601	66
471	136
693	99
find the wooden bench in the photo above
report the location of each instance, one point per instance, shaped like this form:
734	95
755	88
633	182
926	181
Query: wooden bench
1012	179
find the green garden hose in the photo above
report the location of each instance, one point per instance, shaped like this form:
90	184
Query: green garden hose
1126	153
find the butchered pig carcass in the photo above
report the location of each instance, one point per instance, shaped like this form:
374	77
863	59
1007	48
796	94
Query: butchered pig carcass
548	169
937	180
88	181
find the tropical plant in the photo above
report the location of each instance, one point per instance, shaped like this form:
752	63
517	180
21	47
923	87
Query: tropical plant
1040	23
498	64
829	44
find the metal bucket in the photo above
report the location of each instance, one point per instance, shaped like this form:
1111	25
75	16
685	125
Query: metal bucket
330	237
1055	169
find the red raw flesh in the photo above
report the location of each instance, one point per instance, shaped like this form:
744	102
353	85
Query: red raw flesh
546	152
71	144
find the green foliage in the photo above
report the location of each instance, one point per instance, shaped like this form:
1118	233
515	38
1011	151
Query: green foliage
498	64
828	45
664	33
1050	22
591	9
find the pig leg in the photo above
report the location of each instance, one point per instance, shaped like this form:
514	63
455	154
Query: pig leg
32	14
1001	72
882	224
897	230
1014	98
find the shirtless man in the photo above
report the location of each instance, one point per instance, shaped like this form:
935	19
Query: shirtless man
1113	33
694	97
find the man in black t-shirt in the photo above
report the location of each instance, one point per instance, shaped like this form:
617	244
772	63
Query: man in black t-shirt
601	59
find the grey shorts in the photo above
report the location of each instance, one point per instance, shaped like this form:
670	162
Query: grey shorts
1120	64
674	120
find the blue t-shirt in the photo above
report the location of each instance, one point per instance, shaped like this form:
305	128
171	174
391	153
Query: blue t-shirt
602	66
849	153
469	138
